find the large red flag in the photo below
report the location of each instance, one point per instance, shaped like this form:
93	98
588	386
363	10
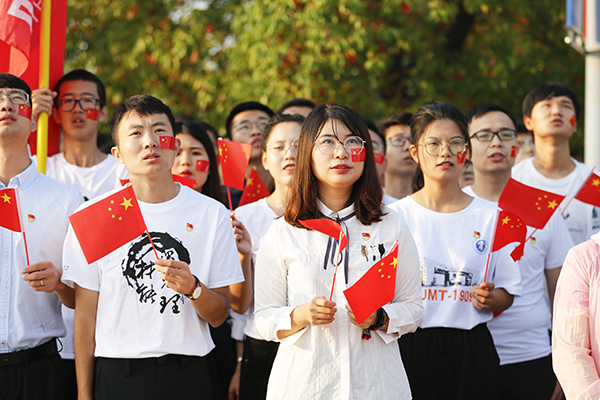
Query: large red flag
20	49
509	229
255	189
108	224
533	206
375	288
10	217
590	191
328	227
234	159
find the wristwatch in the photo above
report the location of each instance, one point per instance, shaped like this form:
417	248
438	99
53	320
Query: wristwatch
197	290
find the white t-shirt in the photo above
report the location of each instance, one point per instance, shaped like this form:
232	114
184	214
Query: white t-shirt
256	218
138	316
332	361
91	182
582	219
453	250
521	332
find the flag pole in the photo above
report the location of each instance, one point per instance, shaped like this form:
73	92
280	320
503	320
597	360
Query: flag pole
576	194
337	262
22	225
487	263
229	198
42	131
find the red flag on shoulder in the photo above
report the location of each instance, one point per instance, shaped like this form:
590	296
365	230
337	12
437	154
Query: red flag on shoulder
255	189
328	227
108	224
10	215
590	191
510	228
533	206
234	159
375	288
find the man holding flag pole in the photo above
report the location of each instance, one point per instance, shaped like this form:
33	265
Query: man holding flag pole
30	317
521	332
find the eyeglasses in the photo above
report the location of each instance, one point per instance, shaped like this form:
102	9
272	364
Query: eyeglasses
488	136
435	148
85	103
377	148
16	98
279	147
328	144
399	141
247	127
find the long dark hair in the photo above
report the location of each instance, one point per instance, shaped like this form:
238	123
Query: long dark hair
212	187
366	192
427	115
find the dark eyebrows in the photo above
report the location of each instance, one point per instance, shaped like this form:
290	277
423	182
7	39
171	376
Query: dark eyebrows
82	94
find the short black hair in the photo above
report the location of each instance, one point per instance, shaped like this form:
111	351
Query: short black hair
297	102
482	109
371	125
547	91
10	81
83	75
246	106
393	120
143	105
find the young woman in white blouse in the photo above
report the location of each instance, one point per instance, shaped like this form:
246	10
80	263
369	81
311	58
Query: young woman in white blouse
322	354
452	354
279	147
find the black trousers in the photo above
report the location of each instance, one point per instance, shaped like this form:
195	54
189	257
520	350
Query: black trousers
168	377
40	379
221	361
256	368
451	364
529	380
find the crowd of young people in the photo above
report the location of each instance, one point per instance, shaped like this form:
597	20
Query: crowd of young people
240	304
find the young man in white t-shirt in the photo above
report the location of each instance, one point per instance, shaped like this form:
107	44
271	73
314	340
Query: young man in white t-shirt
551	111
521	332
136	333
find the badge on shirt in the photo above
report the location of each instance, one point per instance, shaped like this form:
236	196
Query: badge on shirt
366	236
480	245
532	240
189	227
476	235
30	217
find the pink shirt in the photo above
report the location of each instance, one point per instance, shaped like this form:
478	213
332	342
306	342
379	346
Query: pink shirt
576	326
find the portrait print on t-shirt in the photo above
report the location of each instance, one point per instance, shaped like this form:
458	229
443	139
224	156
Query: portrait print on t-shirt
138	269
435	273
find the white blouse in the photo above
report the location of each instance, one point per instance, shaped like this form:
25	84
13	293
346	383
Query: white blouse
332	361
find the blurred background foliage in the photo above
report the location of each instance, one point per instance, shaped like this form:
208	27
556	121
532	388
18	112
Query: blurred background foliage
202	57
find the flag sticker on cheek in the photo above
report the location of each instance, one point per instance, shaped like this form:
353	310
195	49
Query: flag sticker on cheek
92	114
573	121
379	158
460	157
202	165
167	142
25	111
359	155
513	152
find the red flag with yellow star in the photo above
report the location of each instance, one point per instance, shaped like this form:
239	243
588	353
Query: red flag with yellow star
510	228
533	206
590	191
375	288
10	217
108	224
328	227
255	189
234	159
167	142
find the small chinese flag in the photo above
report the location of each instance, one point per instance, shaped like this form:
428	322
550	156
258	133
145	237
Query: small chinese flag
234	161
255	189
185	181
460	158
328	227
573	121
359	155
92	113
590	191
202	165
509	229
25	111
108	224
513	151
123	181
533	206
379	158
167	142
10	217
375	288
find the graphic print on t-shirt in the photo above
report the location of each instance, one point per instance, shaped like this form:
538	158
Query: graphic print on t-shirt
372	253
138	269
435	273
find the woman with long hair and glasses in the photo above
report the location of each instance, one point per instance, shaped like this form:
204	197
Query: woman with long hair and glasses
452	354
323	351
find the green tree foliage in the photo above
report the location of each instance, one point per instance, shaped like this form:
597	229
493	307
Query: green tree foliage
380	57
